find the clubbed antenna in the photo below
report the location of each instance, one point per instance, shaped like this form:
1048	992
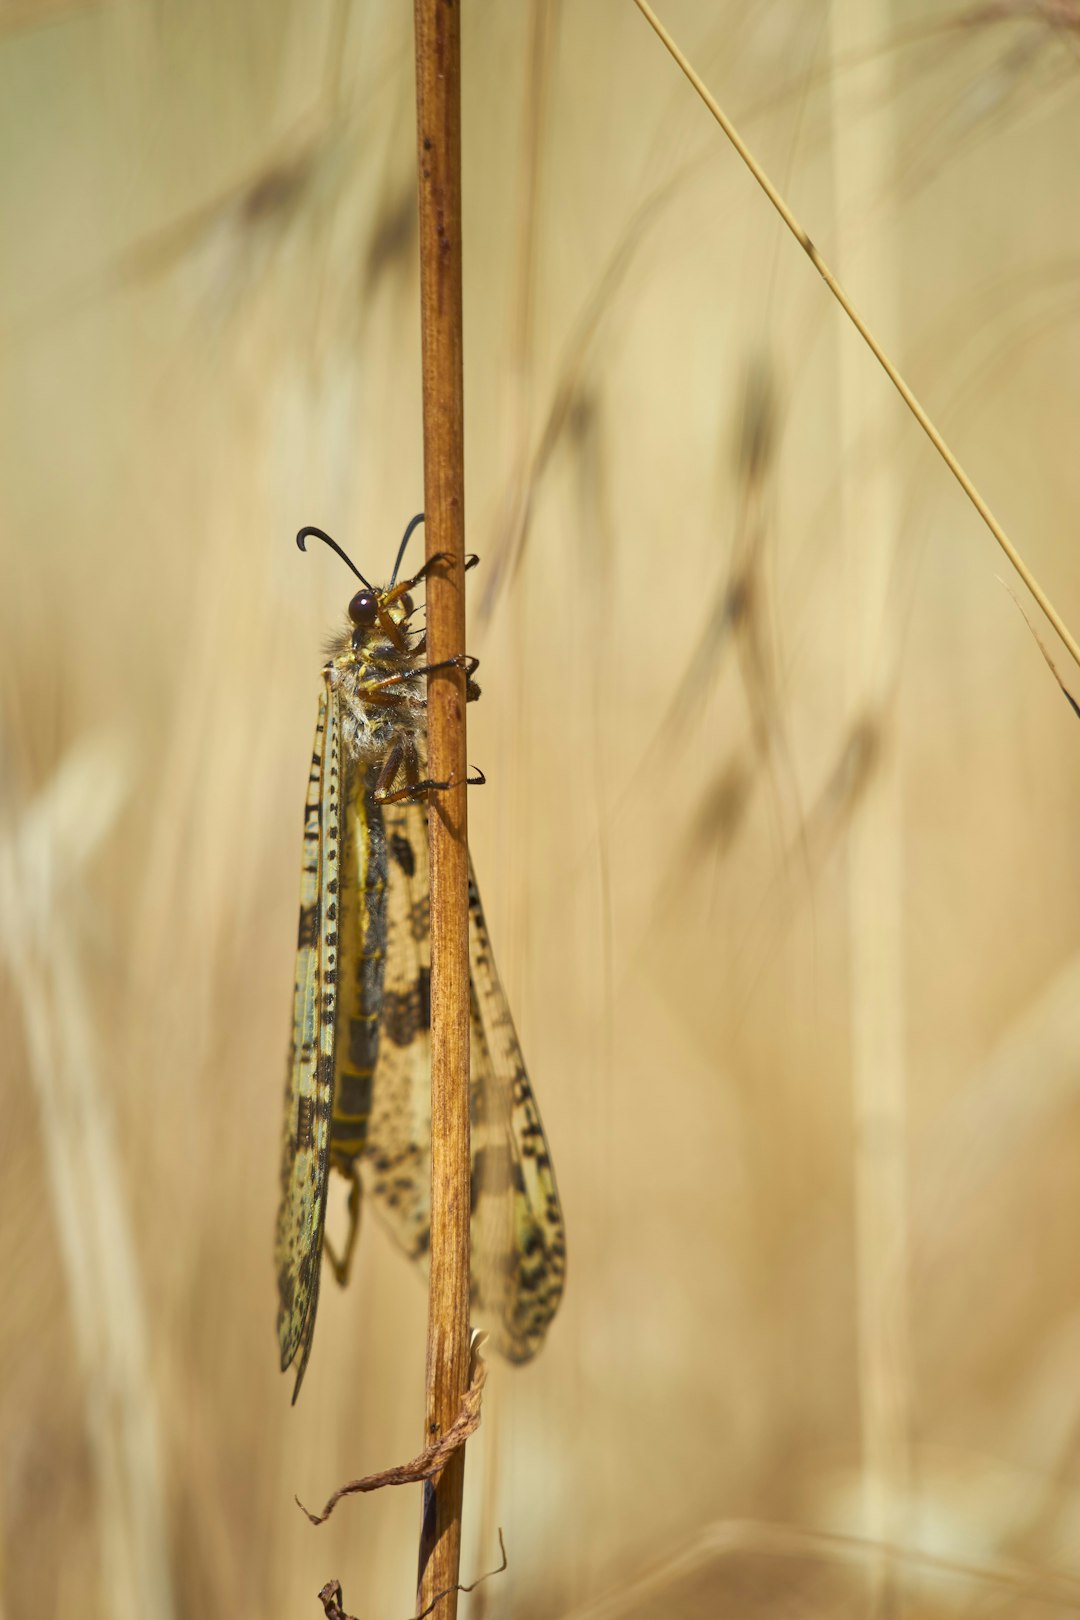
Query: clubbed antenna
320	534
418	519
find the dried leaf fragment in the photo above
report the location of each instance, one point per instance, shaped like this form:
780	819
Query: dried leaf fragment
433	1459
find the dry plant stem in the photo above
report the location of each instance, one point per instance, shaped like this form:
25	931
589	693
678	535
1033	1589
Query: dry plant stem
438	121
434	1457
43	853
863	146
701	1557
864	331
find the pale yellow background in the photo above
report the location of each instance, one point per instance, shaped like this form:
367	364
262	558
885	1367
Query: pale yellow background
791	932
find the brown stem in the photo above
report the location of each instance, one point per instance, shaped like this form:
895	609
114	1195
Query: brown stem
438	123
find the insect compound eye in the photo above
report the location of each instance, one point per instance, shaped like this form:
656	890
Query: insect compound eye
364	608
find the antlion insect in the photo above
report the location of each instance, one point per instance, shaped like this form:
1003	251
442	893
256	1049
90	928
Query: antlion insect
357	1097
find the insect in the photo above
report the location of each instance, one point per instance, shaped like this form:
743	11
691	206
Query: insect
357	1097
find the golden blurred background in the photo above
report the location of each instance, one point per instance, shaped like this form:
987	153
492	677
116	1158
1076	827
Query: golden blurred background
777	845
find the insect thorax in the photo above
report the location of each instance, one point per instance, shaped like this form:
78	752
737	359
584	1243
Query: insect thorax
372	721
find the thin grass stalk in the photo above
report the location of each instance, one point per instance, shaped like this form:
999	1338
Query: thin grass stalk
438	120
863	149
827	275
664	1587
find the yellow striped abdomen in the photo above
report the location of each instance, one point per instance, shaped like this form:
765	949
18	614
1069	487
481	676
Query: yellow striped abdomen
361	960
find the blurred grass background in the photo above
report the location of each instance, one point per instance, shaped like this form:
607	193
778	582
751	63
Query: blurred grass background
778	839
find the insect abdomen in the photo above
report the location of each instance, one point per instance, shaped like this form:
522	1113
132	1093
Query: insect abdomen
362	959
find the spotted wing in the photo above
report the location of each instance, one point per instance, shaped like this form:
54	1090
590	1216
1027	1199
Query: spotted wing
396	1167
518	1237
309	1087
519	1251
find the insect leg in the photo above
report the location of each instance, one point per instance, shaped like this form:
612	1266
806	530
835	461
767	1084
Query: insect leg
375	692
391	765
342	1267
463	661
417	790
440	557
403	756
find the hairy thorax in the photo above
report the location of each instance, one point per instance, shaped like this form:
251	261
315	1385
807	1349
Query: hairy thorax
374	718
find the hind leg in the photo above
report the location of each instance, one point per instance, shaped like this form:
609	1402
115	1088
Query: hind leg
342	1267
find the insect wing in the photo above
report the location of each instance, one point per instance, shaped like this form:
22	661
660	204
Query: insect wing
518	1241
518	1236
309	1087
397	1161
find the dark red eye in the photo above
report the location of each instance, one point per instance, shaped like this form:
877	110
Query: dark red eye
364	608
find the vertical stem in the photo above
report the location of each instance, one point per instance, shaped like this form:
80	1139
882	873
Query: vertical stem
41	859
438	123
863	163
